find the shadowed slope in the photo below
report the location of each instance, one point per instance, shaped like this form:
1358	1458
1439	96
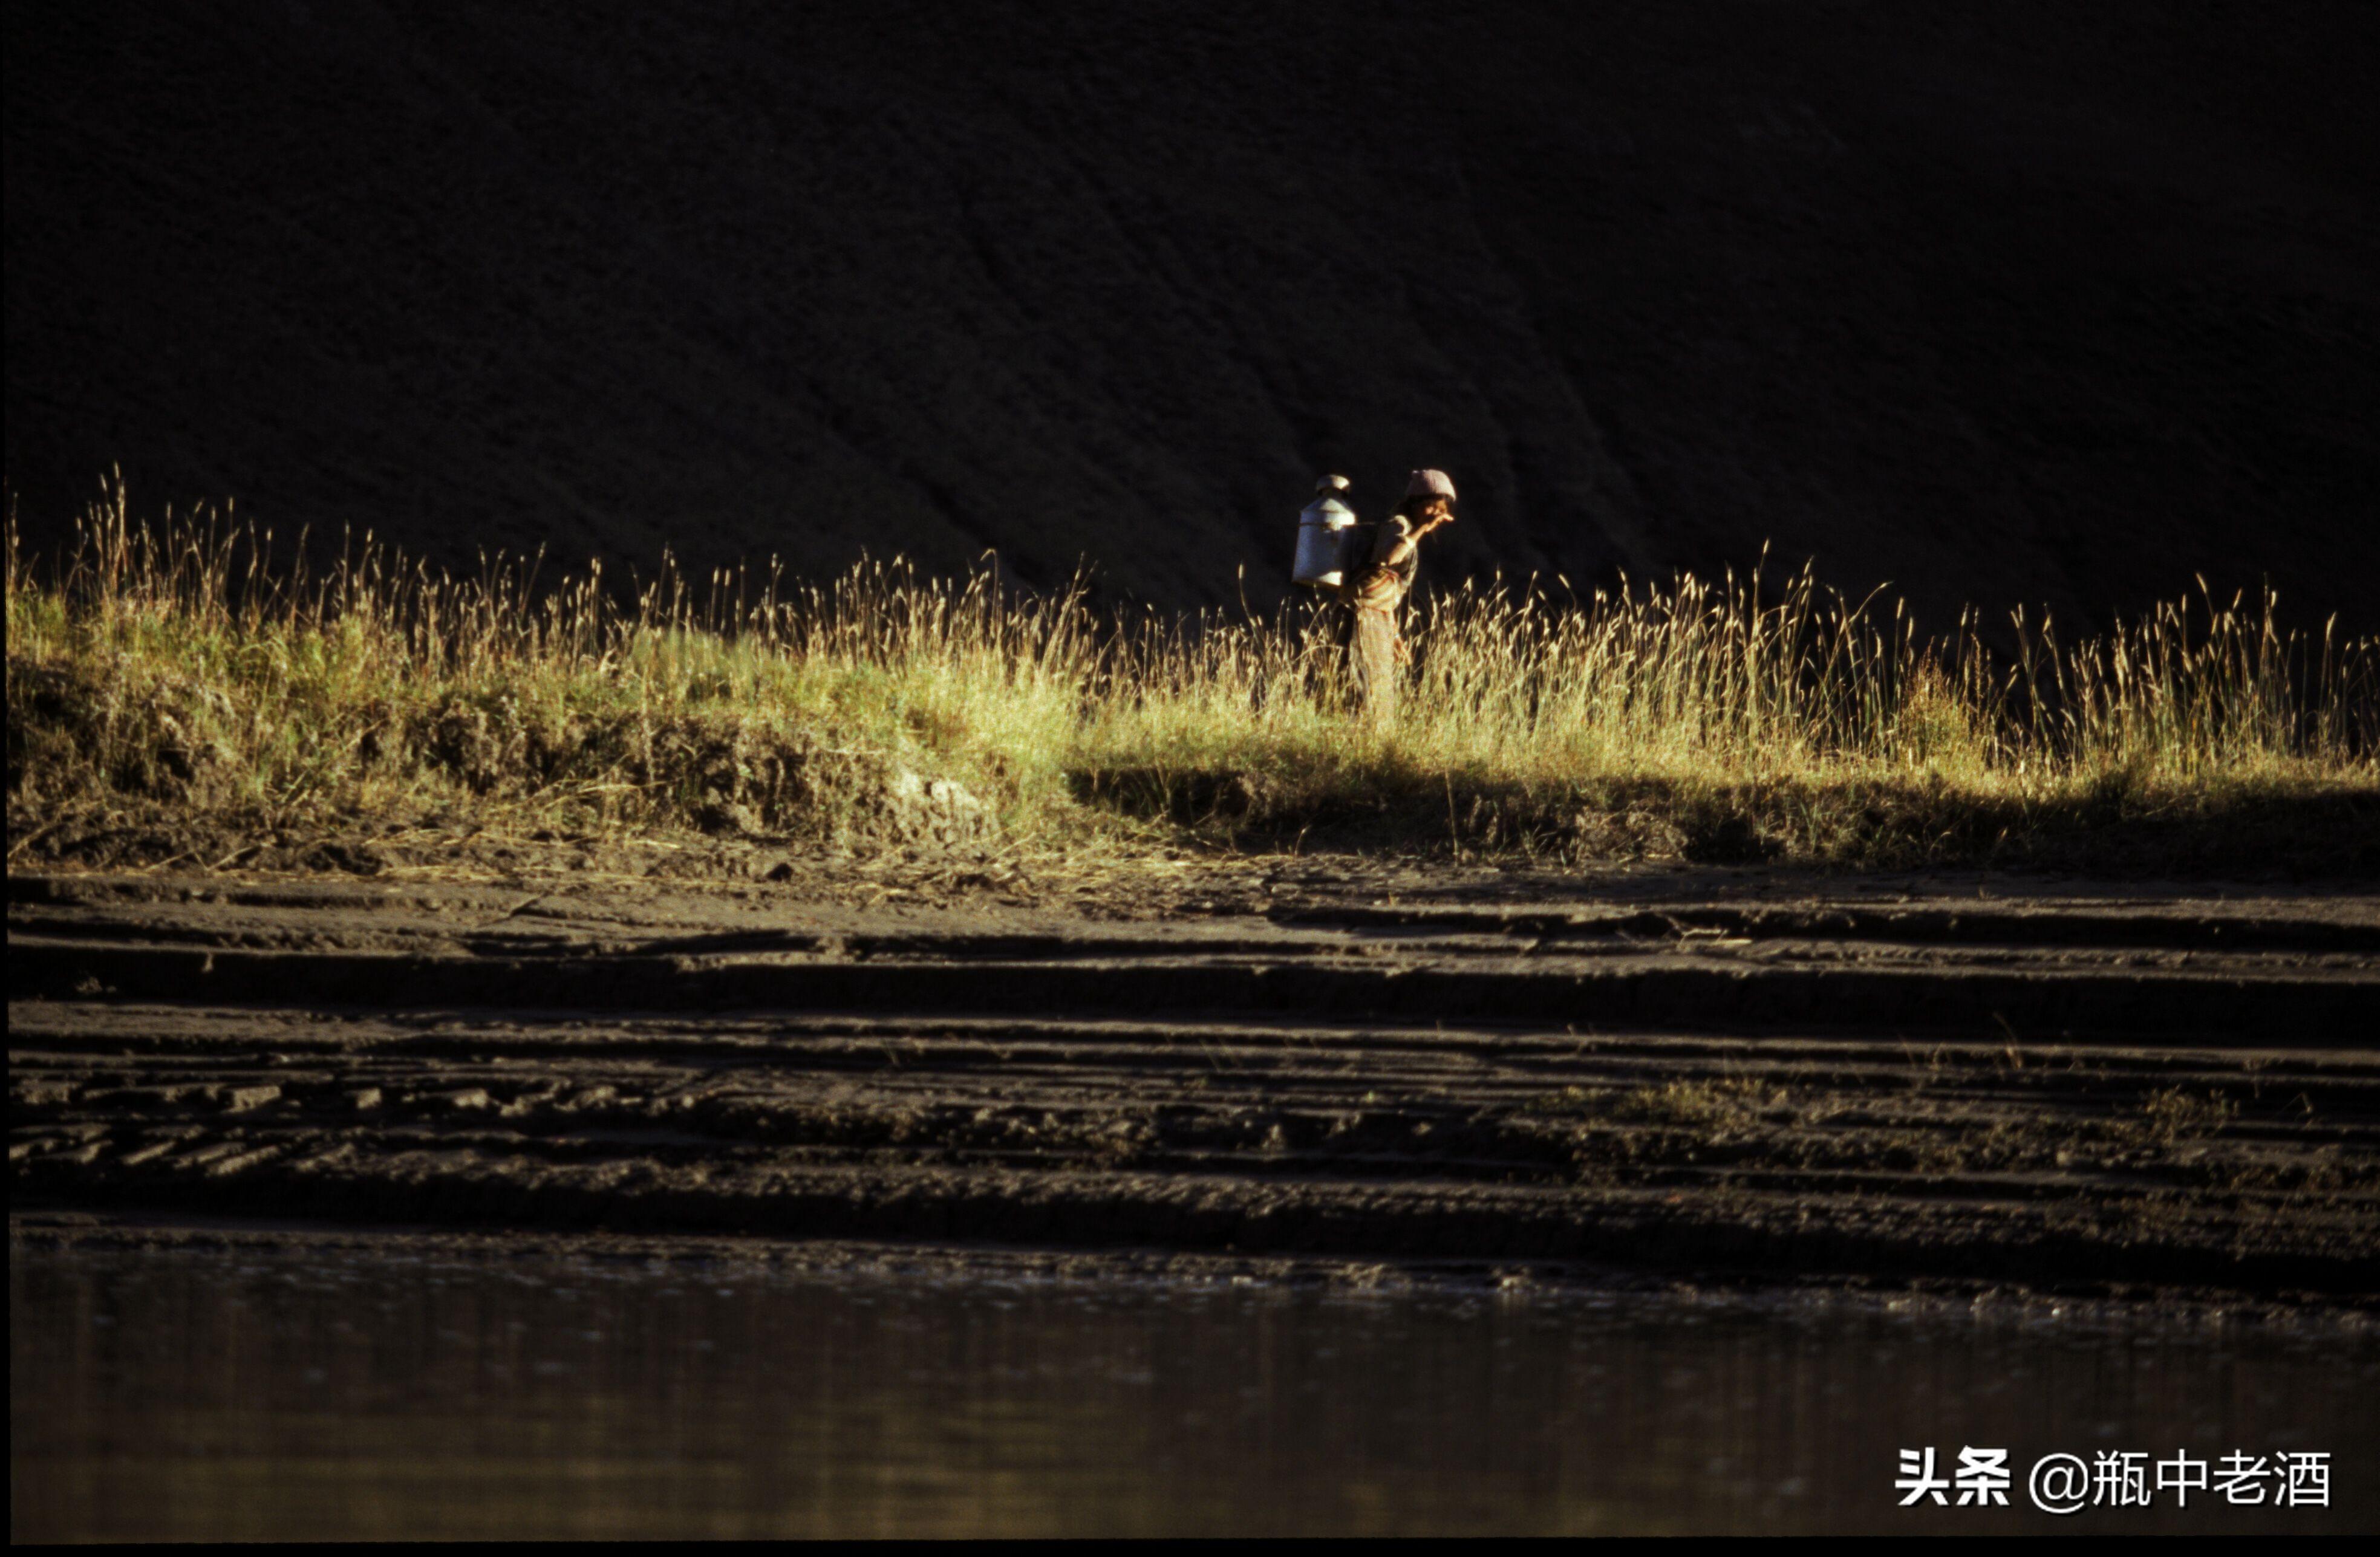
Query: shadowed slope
2000	303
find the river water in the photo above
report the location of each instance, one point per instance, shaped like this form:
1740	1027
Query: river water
243	1393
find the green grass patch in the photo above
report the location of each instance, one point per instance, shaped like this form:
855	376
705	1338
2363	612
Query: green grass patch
172	671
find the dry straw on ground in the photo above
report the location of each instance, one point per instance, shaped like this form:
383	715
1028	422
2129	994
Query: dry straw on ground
170	672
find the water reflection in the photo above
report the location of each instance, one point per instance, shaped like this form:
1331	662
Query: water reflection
223	1395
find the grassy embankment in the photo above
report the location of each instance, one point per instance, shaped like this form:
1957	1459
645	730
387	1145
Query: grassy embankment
171	696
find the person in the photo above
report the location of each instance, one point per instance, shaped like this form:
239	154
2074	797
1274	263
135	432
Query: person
1377	597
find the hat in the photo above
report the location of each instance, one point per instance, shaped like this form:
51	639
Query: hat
1430	483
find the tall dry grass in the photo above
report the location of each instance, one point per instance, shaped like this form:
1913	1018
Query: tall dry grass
175	668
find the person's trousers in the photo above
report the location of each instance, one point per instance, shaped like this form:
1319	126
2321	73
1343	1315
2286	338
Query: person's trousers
1374	663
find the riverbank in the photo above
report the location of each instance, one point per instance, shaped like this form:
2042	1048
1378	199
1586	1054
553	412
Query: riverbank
1966	1083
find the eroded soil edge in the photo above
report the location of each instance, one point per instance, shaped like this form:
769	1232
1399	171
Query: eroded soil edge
1741	1076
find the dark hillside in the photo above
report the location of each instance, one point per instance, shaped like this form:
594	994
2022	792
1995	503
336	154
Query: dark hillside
1998	301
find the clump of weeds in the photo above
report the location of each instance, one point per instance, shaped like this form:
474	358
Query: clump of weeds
1720	1105
2171	1116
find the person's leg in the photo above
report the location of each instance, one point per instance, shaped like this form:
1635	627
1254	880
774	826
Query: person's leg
1375	663
1346	675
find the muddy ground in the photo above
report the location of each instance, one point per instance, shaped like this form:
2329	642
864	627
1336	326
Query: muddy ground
1962	1082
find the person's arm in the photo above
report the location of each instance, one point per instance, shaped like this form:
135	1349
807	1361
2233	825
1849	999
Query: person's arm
1409	538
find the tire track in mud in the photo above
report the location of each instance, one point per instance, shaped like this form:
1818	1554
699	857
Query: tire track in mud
2067	1094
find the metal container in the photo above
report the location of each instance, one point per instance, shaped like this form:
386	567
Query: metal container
1326	538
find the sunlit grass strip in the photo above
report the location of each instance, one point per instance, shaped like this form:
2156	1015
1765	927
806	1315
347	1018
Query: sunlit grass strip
172	665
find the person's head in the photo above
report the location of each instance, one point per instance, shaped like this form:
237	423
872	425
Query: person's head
1429	495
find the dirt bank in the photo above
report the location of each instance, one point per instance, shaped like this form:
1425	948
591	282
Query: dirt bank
1744	1074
